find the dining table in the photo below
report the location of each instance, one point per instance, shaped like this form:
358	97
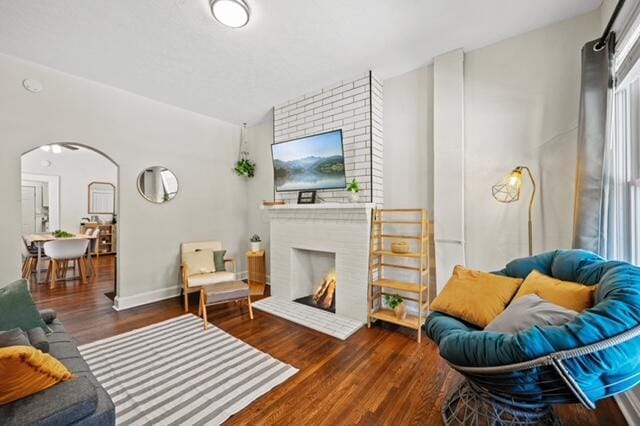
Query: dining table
37	240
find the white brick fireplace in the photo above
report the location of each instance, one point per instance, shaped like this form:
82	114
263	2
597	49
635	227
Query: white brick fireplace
322	234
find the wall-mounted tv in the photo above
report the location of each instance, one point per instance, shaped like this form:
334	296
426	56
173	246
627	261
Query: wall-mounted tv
310	163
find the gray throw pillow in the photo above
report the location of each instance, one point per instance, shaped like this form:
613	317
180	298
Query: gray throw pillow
14	337
38	339
528	311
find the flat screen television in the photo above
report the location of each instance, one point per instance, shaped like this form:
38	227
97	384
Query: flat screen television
309	163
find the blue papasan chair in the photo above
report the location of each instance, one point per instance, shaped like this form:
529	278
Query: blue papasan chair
515	378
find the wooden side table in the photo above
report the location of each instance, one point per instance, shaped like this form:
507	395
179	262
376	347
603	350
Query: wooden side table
257	272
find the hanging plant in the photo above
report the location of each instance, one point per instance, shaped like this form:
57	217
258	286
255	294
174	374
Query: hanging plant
244	166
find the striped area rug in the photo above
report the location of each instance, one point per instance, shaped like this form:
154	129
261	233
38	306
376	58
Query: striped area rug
175	373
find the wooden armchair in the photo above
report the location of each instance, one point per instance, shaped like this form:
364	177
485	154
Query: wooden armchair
193	281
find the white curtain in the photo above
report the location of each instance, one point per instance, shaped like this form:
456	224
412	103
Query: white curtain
621	201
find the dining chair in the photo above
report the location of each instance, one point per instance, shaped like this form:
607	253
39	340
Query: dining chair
30	260
94	245
60	253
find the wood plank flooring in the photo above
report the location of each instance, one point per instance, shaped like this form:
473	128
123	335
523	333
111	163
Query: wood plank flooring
378	376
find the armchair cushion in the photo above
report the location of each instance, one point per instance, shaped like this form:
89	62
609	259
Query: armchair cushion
218	259
212	278
199	262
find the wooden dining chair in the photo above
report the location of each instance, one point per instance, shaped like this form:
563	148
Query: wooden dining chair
30	262
61	253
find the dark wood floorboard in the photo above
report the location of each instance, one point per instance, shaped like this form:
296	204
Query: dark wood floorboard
378	376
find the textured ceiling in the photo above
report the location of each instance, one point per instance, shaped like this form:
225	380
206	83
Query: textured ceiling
175	52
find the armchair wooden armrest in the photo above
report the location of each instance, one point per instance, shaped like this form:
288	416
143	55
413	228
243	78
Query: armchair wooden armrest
232	260
184	273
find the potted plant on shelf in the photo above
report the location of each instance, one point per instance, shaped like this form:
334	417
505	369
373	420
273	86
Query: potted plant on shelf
255	242
354	191
395	302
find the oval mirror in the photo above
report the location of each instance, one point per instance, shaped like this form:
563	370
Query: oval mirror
157	184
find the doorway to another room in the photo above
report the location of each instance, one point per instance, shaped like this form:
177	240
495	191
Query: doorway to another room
69	220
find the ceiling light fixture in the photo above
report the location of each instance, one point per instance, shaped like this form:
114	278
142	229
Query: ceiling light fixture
232	13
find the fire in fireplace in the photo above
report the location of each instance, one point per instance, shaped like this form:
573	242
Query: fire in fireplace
325	296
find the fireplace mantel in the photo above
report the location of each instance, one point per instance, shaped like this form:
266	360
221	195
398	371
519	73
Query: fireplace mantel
321	206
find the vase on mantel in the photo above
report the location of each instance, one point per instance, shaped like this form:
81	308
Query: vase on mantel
354	197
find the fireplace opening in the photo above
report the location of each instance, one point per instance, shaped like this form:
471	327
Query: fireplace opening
325	296
313	278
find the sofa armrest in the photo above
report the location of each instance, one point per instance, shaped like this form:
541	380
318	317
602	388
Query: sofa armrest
65	403
231	260
48	315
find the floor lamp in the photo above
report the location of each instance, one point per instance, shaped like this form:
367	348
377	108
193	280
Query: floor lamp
508	191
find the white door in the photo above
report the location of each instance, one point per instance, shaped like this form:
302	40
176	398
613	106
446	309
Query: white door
28	210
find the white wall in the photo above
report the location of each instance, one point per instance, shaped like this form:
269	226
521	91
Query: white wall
521	108
260	187
408	140
136	133
76	169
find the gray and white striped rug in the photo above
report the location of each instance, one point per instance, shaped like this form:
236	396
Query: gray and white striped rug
175	372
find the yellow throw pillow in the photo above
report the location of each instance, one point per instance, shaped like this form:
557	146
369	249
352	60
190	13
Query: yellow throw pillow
24	370
574	296
199	262
474	296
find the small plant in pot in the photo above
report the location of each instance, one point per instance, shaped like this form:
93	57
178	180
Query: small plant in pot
395	302
255	242
354	190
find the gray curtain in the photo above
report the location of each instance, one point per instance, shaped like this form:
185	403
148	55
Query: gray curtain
595	111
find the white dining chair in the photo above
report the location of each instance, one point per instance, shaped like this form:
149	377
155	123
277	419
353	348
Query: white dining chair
60	253
94	245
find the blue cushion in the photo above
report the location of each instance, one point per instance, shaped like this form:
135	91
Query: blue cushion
616	310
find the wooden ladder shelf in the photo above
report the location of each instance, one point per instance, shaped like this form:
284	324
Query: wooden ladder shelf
419	264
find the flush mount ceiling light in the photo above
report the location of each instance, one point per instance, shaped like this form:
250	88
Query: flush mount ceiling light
232	13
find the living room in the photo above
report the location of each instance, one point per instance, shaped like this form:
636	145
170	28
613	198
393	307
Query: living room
312	197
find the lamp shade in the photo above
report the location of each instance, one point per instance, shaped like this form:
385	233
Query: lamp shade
508	190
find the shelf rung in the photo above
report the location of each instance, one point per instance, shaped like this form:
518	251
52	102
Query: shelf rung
409	268
394	222
400	285
390	253
387	315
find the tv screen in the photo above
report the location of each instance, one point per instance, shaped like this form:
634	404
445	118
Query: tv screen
309	163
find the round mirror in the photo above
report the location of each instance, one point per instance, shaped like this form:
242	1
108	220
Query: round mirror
157	184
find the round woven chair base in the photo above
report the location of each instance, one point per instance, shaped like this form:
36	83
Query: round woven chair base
472	405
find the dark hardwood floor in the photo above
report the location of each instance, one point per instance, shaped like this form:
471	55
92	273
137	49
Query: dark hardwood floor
378	376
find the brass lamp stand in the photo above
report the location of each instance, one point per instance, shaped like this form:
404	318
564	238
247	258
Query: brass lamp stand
508	191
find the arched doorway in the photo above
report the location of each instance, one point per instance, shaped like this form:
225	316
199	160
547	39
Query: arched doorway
72	188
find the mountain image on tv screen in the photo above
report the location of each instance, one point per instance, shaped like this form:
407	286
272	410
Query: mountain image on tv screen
310	163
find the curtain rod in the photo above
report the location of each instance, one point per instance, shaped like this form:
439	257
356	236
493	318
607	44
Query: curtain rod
607	30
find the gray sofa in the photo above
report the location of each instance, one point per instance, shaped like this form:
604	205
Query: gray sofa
80	401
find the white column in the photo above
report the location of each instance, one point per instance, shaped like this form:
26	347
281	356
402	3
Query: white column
448	161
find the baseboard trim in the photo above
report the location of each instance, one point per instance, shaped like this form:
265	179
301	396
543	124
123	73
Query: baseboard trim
629	405
128	302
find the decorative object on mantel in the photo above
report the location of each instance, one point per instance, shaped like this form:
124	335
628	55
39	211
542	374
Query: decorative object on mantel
354	191
307	197
244	166
508	191
400	247
396	303
419	263
270	203
255	242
